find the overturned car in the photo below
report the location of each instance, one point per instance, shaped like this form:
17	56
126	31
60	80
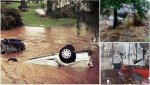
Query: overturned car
67	56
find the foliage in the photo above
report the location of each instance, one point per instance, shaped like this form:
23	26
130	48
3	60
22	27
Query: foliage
75	9
31	18
147	39
140	5
42	5
54	11
63	12
10	18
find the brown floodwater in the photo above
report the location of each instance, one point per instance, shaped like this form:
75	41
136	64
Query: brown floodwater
41	41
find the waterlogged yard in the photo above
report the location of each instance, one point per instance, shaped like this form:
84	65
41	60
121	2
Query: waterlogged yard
41	36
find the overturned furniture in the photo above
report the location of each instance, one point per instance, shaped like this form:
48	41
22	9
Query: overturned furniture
66	57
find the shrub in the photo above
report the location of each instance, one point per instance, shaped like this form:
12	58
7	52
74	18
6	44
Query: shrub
42	5
63	12
10	18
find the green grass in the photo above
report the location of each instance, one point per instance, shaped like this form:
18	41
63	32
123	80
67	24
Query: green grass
31	18
147	40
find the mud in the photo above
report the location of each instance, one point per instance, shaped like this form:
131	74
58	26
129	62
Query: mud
123	34
40	41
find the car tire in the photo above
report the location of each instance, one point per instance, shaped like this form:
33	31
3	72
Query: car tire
71	47
67	54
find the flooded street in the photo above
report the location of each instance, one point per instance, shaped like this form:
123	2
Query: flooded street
42	41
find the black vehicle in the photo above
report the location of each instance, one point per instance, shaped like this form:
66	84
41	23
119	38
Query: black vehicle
11	45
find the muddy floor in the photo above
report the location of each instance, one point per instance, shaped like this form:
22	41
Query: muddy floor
40	41
123	34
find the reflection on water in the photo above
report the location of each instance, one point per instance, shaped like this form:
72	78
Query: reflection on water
41	41
34	31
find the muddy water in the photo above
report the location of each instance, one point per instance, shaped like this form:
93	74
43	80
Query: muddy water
40	41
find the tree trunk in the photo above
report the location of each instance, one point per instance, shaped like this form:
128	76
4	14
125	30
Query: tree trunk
136	50
144	52
113	52
103	46
23	5
78	25
115	19
78	19
49	7
129	55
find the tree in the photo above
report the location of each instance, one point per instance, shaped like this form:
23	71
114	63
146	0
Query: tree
140	5
145	47
78	12
91	18
103	49
23	5
56	9
59	8
49	7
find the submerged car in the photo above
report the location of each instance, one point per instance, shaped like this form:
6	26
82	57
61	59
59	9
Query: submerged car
11	45
66	57
122	13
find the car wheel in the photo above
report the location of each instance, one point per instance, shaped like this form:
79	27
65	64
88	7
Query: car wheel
70	47
67	54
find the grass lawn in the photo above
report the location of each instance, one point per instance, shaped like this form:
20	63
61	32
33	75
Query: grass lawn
147	39
31	18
